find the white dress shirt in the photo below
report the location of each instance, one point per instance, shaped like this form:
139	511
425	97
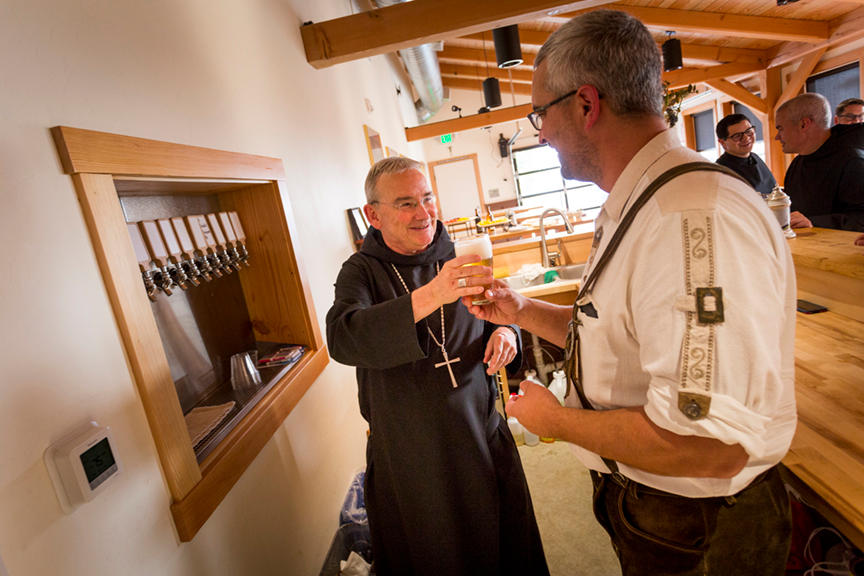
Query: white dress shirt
700	229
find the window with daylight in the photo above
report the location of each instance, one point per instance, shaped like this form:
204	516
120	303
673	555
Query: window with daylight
539	183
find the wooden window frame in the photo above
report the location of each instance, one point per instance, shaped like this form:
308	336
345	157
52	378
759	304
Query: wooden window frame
278	298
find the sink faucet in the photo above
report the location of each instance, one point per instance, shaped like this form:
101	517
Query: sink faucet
546	257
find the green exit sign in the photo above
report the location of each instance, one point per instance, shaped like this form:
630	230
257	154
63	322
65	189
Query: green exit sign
446	138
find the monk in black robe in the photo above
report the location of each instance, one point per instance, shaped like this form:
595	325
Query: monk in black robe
445	491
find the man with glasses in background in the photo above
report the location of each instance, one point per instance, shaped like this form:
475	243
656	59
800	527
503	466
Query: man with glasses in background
737	136
849	111
445	490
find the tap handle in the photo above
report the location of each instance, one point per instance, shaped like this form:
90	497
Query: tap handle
153	238
182	232
172	244
138	245
216	229
228	228
238	228
241	237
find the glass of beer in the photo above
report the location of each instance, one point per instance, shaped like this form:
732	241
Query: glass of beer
482	247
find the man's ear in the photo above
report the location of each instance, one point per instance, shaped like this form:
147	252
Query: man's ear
722	143
371	216
588	100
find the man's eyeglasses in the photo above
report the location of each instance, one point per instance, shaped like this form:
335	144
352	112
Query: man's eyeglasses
536	117
738	136
852	117
410	204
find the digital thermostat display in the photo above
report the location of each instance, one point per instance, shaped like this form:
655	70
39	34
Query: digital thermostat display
82	464
98	463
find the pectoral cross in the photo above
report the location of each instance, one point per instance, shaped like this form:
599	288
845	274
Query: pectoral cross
447	363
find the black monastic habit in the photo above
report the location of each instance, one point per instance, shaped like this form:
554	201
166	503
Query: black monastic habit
445	490
753	169
827	186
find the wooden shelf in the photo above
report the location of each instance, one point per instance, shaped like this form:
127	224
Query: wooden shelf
105	167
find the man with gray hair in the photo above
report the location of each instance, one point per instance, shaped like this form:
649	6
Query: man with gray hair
445	490
683	402
826	180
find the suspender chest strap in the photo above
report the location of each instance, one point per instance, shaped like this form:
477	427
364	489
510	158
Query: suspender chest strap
695	403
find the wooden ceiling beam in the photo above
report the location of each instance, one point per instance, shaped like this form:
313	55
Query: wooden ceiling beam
475	71
418	22
692	53
739	94
474	55
526	37
783	29
685	76
844	30
498	116
799	77
477	86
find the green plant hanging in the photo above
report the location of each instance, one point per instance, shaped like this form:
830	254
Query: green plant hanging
672	100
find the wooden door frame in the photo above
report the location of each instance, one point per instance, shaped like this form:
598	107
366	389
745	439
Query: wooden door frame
472	157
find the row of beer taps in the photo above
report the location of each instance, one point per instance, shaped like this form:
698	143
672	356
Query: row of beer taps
183	250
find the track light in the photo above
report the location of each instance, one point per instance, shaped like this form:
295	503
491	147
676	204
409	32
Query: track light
672	59
508	51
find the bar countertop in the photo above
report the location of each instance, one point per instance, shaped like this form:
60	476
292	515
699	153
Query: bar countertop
827	454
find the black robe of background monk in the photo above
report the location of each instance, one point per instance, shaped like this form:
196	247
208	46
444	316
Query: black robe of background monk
445	490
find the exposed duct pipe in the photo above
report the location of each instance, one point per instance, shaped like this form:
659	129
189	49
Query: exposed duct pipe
421	62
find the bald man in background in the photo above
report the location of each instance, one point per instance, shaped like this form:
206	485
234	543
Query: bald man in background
826	180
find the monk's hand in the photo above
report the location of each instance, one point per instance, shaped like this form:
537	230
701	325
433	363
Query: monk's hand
859	241
504	304
537	409
500	350
456	280
798	220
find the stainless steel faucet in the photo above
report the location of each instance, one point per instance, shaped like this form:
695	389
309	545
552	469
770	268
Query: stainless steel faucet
546	257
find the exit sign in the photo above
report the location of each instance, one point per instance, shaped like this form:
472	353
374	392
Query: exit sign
446	138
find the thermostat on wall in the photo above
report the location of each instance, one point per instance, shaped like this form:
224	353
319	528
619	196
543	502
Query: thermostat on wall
82	464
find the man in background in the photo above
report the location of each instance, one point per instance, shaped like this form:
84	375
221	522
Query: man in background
737	136
849	111
826	180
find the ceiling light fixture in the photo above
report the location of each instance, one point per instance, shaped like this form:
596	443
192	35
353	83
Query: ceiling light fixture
508	51
672	59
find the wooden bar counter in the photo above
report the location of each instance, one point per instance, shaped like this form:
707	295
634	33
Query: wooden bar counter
825	464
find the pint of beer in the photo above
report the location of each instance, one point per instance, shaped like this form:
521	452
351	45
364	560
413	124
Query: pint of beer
481	246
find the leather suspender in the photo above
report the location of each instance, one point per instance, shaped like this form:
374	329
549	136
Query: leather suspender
573	363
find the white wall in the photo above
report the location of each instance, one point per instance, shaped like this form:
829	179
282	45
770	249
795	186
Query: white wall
227	74
495	171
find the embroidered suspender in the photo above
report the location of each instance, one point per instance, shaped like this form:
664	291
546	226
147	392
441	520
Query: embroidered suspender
695	391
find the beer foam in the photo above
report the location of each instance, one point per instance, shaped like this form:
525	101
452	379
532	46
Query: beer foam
480	245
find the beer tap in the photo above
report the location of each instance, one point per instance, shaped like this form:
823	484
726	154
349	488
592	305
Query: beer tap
159	254
205	243
241	237
221	243
197	265
181	273
143	258
225	220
